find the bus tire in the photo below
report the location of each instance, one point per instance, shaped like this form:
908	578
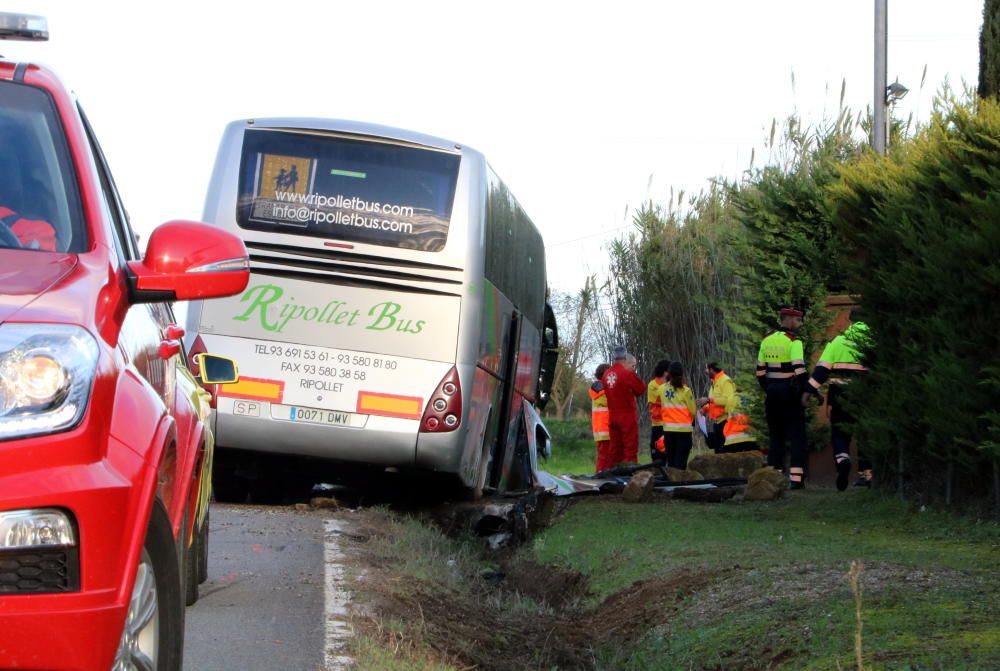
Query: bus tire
227	486
298	485
266	490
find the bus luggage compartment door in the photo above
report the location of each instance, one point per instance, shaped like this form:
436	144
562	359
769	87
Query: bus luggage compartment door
509	412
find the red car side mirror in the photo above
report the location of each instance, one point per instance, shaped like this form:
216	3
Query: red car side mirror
187	260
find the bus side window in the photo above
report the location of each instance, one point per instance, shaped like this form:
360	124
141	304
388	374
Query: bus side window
550	354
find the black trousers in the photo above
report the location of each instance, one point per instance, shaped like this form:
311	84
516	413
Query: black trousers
739	447
786	422
842	427
678	448
654	435
715	438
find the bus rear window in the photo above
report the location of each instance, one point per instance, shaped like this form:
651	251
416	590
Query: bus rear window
346	189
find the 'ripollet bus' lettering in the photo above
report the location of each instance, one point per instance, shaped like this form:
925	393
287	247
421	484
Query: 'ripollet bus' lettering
274	314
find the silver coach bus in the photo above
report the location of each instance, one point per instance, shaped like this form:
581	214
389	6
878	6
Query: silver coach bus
396	315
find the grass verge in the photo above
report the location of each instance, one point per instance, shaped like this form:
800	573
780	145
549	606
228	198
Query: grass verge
780	595
680	585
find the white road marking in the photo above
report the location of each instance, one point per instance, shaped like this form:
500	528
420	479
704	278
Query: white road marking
338	626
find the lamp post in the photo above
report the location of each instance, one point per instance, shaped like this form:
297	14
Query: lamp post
879	103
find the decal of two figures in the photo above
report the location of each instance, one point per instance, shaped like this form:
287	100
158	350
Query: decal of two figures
286	179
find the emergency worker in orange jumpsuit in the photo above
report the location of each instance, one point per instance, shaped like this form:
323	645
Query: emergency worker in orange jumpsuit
599	419
622	386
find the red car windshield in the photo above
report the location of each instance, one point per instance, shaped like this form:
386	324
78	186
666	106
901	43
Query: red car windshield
39	201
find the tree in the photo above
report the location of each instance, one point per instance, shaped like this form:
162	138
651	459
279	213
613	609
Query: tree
577	347
989	51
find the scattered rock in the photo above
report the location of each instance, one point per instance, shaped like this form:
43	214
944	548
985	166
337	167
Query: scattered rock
689	475
705	495
493	577
765	484
324	502
728	465
639	488
499	540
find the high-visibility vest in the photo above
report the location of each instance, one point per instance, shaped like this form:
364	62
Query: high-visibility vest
677	408
737	428
600	421
841	358
722	390
780	358
653	390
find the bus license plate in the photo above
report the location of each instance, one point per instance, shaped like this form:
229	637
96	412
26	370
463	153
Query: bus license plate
317	416
246	408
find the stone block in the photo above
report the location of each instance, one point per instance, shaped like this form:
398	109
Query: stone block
765	484
728	465
677	475
640	487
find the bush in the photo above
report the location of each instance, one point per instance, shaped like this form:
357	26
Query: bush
923	227
567	431
706	284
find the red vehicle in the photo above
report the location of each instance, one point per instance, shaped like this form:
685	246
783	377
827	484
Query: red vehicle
105	452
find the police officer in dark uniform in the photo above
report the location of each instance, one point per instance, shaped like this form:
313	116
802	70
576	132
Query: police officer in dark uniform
781	372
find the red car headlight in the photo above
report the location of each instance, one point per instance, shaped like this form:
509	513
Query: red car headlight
46	375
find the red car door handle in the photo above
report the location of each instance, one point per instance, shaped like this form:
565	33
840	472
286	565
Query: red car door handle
169	348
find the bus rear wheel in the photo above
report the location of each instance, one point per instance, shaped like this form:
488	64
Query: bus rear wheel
227	486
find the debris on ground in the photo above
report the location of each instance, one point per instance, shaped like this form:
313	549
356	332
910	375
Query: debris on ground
324	503
500	540
504	522
615	480
706	495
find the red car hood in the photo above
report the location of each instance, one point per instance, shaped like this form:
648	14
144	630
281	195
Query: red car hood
25	275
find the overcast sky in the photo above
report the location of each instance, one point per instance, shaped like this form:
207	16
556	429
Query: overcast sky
584	109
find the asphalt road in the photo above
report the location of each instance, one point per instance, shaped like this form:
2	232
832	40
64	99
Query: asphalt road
264	604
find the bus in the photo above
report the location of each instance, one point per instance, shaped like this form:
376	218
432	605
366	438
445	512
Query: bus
396	318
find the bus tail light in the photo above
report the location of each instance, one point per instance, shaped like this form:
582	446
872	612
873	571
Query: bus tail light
444	409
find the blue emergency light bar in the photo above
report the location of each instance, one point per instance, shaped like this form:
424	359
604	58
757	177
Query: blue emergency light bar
23	27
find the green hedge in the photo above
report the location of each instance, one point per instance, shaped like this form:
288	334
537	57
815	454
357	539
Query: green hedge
916	235
923	230
703	281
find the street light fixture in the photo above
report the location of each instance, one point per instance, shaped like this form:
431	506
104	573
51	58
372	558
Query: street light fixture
895	92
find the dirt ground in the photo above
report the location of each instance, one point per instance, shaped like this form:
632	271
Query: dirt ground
520	615
502	612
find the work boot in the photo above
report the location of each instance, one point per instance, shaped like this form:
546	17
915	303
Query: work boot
862	481
843	471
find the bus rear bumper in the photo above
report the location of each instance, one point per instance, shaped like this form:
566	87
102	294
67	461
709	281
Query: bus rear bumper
392	442
442	452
